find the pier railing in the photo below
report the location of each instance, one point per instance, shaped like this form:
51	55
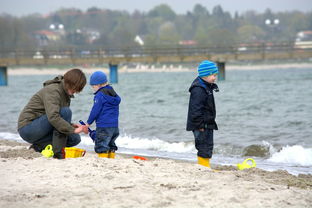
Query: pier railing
162	54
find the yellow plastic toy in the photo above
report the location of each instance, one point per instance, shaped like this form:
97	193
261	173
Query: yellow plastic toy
245	165
47	152
73	152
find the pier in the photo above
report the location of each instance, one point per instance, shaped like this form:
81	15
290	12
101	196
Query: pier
149	55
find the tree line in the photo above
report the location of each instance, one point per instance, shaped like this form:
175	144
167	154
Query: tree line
103	28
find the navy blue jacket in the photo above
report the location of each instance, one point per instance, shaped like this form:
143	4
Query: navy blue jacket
202	108
105	110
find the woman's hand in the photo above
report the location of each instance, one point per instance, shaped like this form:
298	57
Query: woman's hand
80	128
85	129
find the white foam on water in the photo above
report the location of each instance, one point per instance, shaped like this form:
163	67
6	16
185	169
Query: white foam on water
10	136
295	159
272	150
295	155
130	142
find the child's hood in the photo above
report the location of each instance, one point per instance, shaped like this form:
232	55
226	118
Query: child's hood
198	82
109	95
57	79
112	100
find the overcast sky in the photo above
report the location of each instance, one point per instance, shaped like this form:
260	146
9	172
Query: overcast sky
25	7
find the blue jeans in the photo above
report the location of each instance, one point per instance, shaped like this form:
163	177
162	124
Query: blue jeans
105	139
204	142
40	131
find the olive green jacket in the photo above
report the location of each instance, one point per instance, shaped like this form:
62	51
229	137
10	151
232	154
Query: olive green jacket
49	100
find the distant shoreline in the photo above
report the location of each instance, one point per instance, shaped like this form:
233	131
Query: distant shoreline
150	68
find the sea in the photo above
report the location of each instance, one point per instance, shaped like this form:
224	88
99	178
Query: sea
262	114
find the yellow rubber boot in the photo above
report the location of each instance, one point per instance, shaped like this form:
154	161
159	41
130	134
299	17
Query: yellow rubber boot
204	161
111	154
104	154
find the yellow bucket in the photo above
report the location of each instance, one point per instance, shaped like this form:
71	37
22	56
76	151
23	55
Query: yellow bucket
73	152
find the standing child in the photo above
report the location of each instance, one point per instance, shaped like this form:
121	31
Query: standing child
202	111
105	112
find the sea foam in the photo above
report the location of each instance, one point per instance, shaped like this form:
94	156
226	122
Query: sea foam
10	136
296	155
130	142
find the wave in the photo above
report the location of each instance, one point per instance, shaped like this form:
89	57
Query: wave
10	136
154	144
129	142
296	155
293	155
263	150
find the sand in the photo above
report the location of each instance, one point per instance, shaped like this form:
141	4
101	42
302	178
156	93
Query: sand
30	180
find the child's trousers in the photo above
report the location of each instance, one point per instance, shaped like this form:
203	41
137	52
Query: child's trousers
204	142
105	139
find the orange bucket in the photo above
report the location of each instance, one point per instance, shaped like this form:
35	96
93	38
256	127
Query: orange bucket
73	152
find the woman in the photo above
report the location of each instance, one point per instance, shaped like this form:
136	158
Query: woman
46	119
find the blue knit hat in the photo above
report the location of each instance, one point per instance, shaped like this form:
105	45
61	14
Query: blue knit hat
207	68
97	78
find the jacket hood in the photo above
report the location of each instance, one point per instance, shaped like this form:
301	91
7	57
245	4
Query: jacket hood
198	82
110	95
57	79
112	100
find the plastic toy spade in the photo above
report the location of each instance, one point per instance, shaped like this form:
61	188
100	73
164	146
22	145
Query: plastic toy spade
92	133
245	165
138	157
48	152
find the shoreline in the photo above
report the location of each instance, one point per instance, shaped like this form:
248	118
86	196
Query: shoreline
149	68
30	180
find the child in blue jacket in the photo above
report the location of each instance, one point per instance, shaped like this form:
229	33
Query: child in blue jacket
105	113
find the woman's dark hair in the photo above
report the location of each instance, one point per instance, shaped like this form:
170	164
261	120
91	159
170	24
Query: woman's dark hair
75	79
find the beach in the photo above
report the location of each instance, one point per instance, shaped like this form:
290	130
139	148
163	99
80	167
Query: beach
31	180
156	128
